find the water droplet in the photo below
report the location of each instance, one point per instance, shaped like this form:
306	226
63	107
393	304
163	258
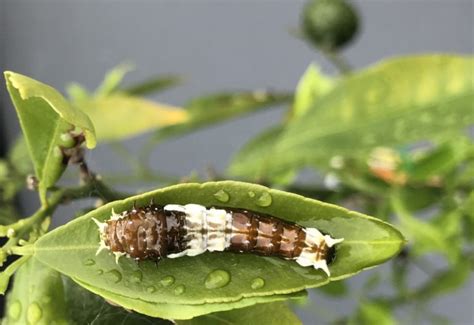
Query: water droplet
179	289
222	196
217	279
150	289
115	275
100	272
251	194
34	313
257	283
167	281
89	262
136	276
14	311
265	200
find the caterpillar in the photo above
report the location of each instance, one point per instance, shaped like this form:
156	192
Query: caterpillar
154	232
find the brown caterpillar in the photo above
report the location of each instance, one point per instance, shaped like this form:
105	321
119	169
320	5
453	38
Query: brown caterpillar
171	231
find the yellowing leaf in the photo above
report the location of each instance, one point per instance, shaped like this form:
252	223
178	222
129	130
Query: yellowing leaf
121	116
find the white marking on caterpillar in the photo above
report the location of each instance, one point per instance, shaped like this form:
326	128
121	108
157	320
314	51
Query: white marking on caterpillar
308	257
206	229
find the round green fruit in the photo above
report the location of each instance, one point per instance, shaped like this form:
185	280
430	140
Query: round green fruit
329	24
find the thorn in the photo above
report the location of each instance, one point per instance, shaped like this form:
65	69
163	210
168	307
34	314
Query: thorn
134	208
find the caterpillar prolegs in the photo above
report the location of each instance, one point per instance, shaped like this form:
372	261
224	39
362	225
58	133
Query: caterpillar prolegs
171	231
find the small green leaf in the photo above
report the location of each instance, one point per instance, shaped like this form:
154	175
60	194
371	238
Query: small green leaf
312	86
112	80
76	92
37	296
401	101
368	242
373	313
220	107
44	117
120	116
6	274
153	85
174	311
273	313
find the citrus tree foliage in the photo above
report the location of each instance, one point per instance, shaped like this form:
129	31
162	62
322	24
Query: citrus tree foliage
390	140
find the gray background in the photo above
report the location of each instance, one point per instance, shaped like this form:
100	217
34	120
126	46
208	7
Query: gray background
216	45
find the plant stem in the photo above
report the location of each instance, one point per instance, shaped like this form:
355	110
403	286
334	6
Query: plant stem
337	60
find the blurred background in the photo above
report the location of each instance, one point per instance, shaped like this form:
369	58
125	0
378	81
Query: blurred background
215	46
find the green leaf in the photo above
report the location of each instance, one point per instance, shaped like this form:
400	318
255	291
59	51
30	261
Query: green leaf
220	107
6	274
440	235
45	116
252	159
37	296
312	86
20	158
112	80
84	307
180	311
441	160
373	313
274	313
121	116
153	85
397	102
71	249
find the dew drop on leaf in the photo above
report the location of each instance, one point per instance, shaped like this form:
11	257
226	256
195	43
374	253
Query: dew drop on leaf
115	275
217	279
89	262
100	272
257	283
14	311
167	281
265	200
179	289
222	196
136	276
251	194
150	289
34	313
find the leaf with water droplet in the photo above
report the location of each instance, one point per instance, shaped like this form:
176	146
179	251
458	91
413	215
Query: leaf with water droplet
217	279
368	242
257	283
167	281
265	200
37	296
179	290
178	312
222	196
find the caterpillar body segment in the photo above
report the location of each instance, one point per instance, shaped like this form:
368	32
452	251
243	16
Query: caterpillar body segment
171	231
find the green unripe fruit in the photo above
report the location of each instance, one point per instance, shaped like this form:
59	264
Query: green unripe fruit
329	24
